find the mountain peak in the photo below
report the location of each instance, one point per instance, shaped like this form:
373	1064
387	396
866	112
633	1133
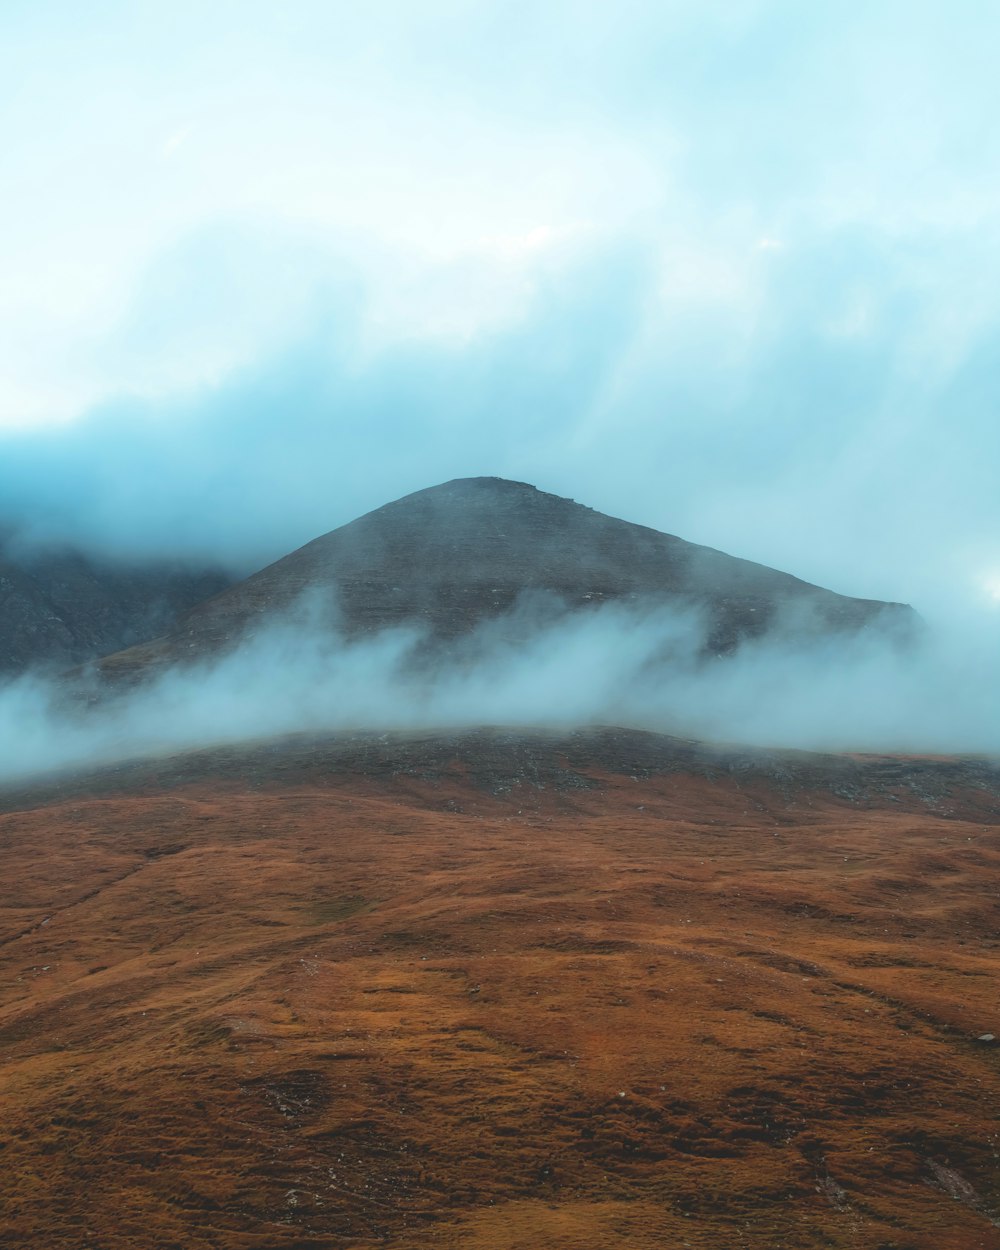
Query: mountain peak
454	555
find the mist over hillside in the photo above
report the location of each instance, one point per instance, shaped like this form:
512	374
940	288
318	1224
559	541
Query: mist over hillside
449	559
486	602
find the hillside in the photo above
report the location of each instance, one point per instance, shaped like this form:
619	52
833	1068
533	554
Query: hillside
497	991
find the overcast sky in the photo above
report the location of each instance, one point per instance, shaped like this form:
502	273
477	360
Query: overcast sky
728	269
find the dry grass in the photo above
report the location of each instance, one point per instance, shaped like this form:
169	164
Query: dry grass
325	1007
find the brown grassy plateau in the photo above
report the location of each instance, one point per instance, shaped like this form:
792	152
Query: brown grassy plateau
502	992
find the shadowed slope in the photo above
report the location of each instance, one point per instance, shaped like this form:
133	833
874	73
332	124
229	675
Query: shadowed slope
60	607
455	555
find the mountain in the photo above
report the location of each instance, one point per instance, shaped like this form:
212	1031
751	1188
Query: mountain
59	608
453	556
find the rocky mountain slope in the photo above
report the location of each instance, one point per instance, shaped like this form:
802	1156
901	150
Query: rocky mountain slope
453	556
63	608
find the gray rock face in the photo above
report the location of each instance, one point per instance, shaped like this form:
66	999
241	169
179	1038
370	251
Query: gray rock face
60	609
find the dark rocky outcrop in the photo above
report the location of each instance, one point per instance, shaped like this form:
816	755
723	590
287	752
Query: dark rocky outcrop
63	608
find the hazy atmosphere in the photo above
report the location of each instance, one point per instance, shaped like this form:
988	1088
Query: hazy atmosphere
591	669
500	624
729	270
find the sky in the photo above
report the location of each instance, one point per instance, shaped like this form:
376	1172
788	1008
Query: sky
728	269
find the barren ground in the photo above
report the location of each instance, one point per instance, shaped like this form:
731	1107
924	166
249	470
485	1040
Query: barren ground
502	992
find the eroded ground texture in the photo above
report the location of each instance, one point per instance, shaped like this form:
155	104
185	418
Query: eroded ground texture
502	991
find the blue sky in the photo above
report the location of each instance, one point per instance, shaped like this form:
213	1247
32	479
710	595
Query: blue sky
727	269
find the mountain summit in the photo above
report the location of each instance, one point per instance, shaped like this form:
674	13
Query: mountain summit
453	556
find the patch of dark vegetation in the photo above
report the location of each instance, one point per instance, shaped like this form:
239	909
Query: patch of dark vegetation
330	910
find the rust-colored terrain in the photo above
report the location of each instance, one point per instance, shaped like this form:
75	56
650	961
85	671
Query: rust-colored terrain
502	991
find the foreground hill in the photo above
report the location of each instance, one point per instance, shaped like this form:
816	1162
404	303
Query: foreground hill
501	991
453	556
59	608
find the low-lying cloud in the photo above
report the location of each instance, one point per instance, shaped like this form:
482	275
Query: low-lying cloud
611	665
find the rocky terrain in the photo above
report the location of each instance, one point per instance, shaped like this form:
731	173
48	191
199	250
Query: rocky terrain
502	990
61	608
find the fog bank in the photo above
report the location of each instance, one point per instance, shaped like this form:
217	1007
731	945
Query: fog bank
607	666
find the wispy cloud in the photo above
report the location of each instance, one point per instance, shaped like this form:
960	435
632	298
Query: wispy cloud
609	666
176	140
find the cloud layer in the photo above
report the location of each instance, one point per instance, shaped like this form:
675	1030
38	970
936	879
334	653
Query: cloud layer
611	665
